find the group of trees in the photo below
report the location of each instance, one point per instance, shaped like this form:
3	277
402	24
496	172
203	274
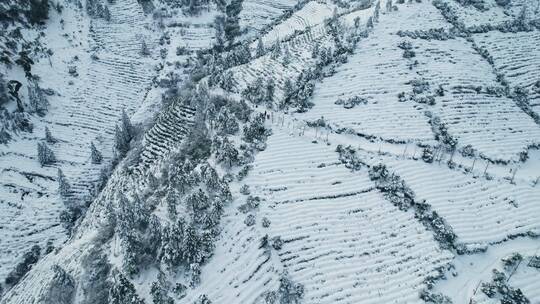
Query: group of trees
288	292
35	11
97	9
396	191
227	26
260	92
185	242
499	288
28	260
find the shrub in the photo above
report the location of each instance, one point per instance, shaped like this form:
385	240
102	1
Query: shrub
29	259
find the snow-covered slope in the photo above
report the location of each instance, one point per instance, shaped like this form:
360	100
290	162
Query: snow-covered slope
392	158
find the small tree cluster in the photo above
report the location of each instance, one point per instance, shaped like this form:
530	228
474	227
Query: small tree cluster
232	20
227	154
499	288
122	291
351	102
96	9
159	290
288	292
260	92
61	289
38	12
441	133
29	259
255	132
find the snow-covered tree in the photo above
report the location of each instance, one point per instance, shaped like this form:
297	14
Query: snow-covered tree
289	292
195	270
61	289
28	260
45	154
260	48
122	291
286	56
144	49
226	122
159	290
232	20
288	92
270	90
64	188
48	136
227	154
276	52
95	155
191	248
37	99
255	92
219	27
172	249
389	5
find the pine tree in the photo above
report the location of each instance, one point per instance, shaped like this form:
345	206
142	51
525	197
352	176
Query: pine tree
286	56
48	136
95	155
37	99
377	11
159	290
64	188
61	289
106	13
121	141
191	252
172	251
276	52
260	48
171	200
232	24
315	51
195	270
5	137
122	291
144	49
219	27
270	91
227	154
369	24
45	154
127	127
39	11
288	91
226	123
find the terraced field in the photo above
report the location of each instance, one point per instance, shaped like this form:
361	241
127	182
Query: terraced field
515	57
377	73
335	226
258	13
80	113
306	203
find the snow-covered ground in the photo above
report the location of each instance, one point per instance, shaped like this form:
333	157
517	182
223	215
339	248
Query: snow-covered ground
329	227
84	109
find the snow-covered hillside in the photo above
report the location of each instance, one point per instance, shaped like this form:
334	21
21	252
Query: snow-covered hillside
255	151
